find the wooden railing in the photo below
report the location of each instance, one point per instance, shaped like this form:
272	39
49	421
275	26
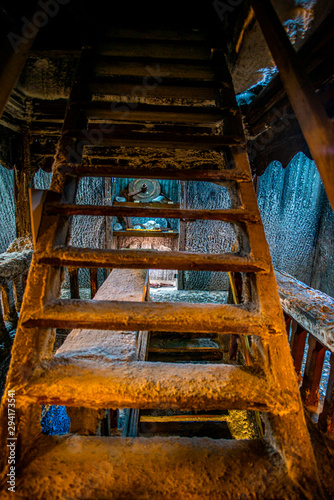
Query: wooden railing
309	312
14	268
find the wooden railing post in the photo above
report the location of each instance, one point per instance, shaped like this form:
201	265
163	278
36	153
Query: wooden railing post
74	283
297	346
312	375
94	285
326	418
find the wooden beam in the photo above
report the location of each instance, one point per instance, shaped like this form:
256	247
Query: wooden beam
127	138
316	126
157	316
150	259
228	215
114	170
135	112
152	385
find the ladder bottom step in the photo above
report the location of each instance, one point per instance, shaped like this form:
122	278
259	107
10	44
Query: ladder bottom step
107	468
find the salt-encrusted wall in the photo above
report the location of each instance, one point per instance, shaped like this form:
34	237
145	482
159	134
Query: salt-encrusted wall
299	222
207	236
87	231
7	208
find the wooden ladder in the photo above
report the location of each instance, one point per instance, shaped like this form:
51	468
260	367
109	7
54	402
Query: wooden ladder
185	67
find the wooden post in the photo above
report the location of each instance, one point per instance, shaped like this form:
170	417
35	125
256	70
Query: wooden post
297	346
182	232
74	283
8	305
4	335
312	375
326	419
287	320
13	57
314	122
94	285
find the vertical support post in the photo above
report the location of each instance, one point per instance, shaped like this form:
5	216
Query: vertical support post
182	232
9	311
287	320
314	122
326	419
93	282
297	346
312	375
74	283
4	335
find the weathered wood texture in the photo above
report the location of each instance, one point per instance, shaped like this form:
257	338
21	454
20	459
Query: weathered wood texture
118	346
315	124
151	259
312	309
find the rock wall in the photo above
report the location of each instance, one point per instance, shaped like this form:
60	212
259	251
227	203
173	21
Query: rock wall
299	222
7	208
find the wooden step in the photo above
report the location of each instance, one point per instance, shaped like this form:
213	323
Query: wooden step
102	169
205	92
97	381
162	49
156	316
154	70
137	210
114	136
136	112
118	468
150	259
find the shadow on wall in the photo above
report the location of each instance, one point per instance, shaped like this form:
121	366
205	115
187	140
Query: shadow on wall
298	222
7	208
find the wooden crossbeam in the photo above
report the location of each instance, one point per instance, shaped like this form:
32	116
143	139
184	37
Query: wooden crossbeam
90	383
157	316
228	215
150	259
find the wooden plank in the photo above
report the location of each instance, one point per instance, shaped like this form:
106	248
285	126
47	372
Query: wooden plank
316	126
164	211
155	34
94	285
155	316
151	259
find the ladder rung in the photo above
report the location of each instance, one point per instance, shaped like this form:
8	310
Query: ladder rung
151	259
134	112
164	49
154	69
114	170
193	91
127	138
102	383
228	215
147	316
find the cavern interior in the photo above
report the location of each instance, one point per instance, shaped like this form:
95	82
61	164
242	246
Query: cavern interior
166	249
